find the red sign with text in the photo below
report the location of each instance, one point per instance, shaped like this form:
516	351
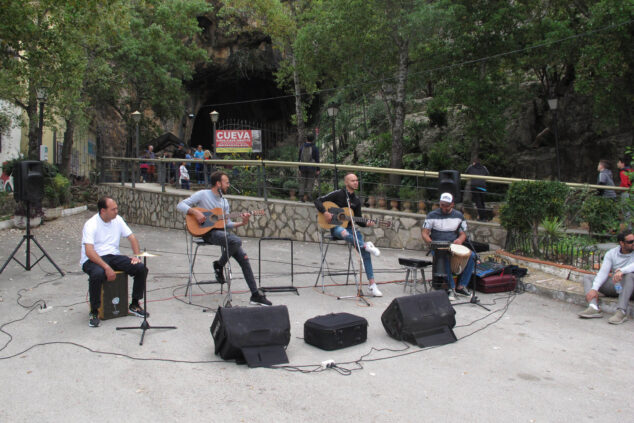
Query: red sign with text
238	141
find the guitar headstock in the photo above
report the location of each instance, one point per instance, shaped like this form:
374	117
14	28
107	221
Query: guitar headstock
258	212
385	224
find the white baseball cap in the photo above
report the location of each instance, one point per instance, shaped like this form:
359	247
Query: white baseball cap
446	197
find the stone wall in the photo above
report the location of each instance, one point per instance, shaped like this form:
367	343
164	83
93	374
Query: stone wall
283	219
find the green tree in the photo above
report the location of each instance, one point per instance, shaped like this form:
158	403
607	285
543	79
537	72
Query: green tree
373	43
281	20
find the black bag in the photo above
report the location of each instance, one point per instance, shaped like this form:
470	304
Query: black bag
335	331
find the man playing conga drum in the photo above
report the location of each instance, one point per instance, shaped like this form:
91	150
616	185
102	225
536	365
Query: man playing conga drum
449	225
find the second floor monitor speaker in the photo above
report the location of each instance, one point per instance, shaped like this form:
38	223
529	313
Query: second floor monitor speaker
28	181
255	335
449	181
424	319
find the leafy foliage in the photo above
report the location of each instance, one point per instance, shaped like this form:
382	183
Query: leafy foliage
602	214
529	203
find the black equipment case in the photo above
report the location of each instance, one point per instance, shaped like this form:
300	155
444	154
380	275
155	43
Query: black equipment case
335	331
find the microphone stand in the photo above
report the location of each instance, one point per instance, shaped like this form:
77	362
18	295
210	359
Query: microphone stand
357	281
473	299
228	273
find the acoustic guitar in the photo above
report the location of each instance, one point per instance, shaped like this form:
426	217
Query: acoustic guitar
341	216
213	220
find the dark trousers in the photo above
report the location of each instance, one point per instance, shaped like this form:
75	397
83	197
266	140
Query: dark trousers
97	276
217	237
478	199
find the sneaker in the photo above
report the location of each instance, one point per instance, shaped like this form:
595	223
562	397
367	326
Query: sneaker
219	271
618	317
463	291
93	321
138	311
590	313
372	249
259	299
374	290
451	295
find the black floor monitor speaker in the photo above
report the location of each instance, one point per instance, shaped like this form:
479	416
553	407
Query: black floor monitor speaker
449	181
424	319
257	336
28	181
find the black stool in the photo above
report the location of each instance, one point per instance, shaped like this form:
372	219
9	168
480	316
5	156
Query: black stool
411	266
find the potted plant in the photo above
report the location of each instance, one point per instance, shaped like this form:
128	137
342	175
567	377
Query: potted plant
291	186
407	194
392	194
381	190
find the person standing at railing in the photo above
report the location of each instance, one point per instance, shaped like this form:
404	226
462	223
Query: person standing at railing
151	171
184	176
200	155
478	187
308	153
605	178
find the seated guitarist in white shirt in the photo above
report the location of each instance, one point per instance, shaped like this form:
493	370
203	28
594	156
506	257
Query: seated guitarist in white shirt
211	199
339	197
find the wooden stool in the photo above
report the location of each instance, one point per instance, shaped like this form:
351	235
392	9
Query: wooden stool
114	297
412	265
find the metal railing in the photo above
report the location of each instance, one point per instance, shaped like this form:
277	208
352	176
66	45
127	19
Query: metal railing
570	250
269	178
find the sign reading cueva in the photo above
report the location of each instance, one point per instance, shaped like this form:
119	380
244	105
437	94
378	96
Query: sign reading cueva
238	141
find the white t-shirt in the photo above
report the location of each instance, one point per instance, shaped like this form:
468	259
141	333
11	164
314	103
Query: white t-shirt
103	236
184	173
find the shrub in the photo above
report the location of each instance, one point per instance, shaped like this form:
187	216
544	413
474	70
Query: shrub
527	204
602	214
57	191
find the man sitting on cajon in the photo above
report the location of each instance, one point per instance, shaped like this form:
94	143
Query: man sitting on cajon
100	256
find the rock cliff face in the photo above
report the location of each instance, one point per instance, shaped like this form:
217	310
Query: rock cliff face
530	143
236	81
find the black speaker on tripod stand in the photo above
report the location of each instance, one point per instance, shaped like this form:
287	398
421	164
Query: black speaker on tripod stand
449	181
28	184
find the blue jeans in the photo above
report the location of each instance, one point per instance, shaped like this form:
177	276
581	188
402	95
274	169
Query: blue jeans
367	259
465	277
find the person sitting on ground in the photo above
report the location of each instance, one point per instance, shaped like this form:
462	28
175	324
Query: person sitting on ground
620	261
448	224
100	257
211	199
339	197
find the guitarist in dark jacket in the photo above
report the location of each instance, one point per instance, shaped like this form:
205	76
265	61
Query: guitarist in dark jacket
212	199
339	197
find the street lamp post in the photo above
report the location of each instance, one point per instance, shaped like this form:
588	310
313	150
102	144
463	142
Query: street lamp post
136	117
41	97
553	104
333	110
214	119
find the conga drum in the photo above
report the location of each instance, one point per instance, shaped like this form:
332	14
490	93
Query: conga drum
459	258
439	271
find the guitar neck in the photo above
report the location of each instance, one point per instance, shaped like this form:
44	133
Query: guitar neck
235	214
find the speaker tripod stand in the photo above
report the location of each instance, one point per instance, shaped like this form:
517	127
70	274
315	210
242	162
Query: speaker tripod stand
28	238
145	325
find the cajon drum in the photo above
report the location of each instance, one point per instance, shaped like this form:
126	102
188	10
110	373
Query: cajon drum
114	297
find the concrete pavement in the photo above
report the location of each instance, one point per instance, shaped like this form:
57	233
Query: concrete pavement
530	359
